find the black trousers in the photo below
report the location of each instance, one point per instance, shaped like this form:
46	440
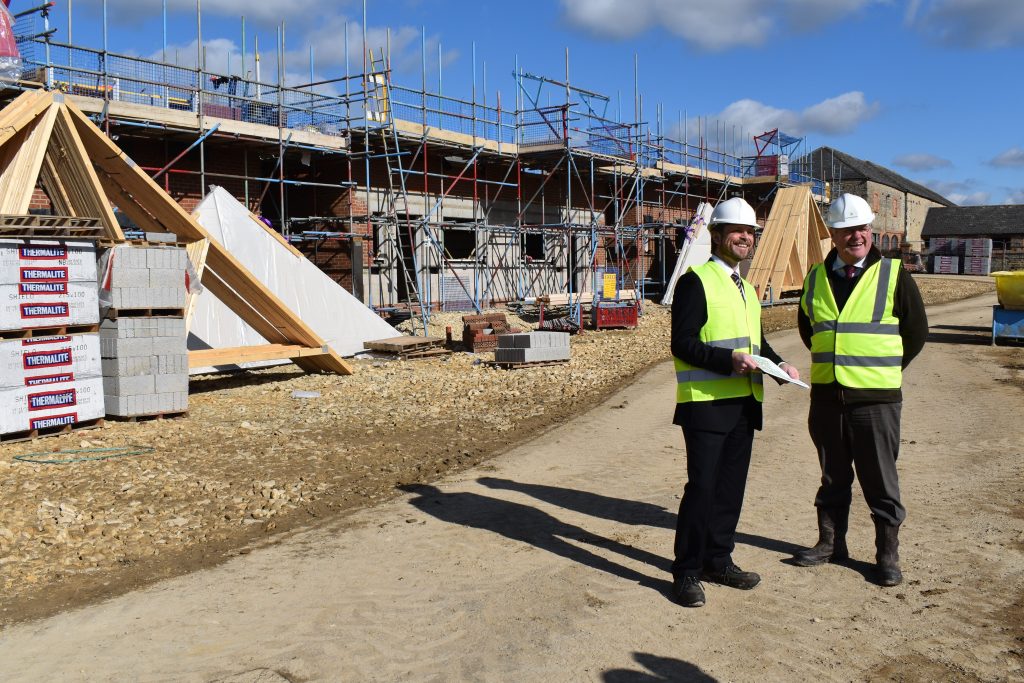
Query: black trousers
716	470
865	436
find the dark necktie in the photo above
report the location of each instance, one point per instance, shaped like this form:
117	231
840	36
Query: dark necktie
851	272
739	285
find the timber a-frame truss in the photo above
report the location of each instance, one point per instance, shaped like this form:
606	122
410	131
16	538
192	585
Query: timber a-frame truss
793	240
46	140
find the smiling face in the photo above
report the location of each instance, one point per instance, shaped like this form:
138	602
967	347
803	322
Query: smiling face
732	243
852	244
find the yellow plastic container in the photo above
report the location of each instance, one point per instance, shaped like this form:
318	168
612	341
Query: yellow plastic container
1010	289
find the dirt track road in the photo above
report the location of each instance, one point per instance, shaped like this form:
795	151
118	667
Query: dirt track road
550	563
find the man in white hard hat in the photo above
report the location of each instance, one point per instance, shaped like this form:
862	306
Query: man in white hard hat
716	328
863	320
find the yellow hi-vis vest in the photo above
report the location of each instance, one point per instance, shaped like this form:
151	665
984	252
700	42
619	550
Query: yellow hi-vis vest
732	324
861	347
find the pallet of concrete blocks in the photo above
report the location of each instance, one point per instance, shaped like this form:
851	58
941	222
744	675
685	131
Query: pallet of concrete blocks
50	385
947	265
47	284
978	247
143	340
531	349
977	265
50	375
136	281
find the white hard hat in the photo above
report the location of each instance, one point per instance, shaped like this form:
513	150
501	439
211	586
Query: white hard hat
849	211
734	211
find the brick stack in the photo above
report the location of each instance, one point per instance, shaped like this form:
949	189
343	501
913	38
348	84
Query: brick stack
481	332
50	373
143	340
532	347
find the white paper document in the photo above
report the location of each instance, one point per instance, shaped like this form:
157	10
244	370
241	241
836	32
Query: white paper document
769	368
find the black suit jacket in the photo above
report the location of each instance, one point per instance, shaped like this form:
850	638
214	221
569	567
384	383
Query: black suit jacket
689	315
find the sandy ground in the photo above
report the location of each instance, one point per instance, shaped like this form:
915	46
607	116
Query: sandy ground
550	563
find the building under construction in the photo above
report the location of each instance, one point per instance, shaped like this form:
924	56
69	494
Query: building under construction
413	199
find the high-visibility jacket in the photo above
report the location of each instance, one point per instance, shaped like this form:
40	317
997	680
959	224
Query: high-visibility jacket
860	348
732	324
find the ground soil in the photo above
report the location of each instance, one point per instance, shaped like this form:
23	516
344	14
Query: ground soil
550	562
251	461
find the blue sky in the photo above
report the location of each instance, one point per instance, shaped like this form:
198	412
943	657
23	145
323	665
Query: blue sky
930	88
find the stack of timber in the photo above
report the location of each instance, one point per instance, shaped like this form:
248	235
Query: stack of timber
47	142
50	373
143	338
408	348
790	244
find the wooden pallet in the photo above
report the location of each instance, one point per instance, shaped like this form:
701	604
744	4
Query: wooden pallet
107	244
54	331
535	364
115	313
50	227
404	345
146	418
33	434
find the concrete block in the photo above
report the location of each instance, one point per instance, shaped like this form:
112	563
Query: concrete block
129	386
166	277
513	341
165	384
128	366
168	346
161	237
121	348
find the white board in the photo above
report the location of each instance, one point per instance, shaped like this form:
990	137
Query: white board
697	249
341	320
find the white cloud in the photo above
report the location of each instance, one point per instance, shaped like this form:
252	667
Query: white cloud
978	198
328	42
970	23
1011	158
709	26
834	116
963	192
299	12
921	162
1015	197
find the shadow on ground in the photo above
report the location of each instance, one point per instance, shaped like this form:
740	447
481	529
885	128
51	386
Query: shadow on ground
529	525
658	669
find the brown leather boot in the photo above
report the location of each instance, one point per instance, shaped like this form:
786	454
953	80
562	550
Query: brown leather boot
831	546
887	555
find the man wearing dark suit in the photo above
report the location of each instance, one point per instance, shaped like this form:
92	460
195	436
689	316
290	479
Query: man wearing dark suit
716	327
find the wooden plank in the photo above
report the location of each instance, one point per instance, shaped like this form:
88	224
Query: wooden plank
249	354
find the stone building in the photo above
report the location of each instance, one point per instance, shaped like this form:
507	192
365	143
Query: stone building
900	204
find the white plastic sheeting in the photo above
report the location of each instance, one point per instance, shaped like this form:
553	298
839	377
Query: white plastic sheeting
697	249
343	321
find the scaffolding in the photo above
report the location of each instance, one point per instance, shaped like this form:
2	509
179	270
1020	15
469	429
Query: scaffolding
428	201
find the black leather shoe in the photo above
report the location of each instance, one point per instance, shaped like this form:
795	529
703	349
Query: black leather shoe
733	577
688	592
